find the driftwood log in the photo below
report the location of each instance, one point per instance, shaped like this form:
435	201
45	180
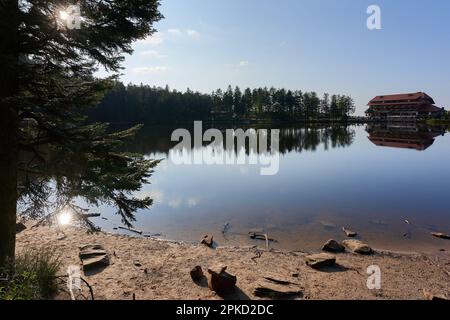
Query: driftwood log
261	236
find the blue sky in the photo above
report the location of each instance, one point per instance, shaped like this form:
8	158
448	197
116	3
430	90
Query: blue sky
319	45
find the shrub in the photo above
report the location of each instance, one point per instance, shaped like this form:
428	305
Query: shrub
32	276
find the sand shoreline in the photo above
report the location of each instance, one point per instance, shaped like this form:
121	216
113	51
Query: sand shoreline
147	268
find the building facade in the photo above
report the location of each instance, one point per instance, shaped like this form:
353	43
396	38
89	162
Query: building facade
403	107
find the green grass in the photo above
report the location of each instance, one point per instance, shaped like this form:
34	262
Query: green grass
31	277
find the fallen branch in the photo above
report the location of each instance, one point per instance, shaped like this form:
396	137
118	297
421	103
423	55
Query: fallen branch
91	290
90	215
261	236
132	230
440	235
258	255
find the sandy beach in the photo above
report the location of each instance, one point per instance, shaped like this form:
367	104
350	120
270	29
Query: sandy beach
144	268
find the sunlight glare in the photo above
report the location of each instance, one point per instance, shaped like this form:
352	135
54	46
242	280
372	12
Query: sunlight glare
63	15
64	218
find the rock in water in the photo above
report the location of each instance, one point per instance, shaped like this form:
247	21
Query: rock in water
208	240
197	273
327	224
349	232
333	246
221	281
93	256
320	260
441	235
20	227
357	246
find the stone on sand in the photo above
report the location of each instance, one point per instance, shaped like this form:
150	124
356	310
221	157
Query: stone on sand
207	240
320	260
357	246
197	273
333	246
90	250
275	288
93	256
430	296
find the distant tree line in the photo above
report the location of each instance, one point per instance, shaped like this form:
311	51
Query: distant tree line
146	104
281	103
143	103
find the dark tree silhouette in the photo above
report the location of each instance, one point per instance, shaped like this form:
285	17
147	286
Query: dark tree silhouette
143	103
46	85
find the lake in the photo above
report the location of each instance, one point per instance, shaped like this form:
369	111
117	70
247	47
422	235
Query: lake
389	183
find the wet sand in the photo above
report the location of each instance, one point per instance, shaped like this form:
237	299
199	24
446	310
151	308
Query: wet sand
309	236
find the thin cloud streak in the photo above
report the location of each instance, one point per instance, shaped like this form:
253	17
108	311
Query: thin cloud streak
150	70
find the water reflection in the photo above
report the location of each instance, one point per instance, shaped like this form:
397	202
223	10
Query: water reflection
156	139
329	175
404	135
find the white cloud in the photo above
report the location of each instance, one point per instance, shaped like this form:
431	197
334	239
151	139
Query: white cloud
153	54
176	32
244	63
175	203
192	202
179	202
192	33
147	70
158	37
154	40
156	195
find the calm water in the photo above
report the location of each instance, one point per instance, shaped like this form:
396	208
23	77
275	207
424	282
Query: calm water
369	179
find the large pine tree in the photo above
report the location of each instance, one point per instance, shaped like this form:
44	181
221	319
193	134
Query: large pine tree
47	82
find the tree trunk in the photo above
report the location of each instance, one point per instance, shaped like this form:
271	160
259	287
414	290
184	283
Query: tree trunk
9	53
8	183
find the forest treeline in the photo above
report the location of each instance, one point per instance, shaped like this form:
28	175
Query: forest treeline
149	104
156	139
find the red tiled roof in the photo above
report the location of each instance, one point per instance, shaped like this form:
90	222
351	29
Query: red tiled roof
402	97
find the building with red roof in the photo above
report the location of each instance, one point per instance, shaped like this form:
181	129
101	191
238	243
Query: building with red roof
403	107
